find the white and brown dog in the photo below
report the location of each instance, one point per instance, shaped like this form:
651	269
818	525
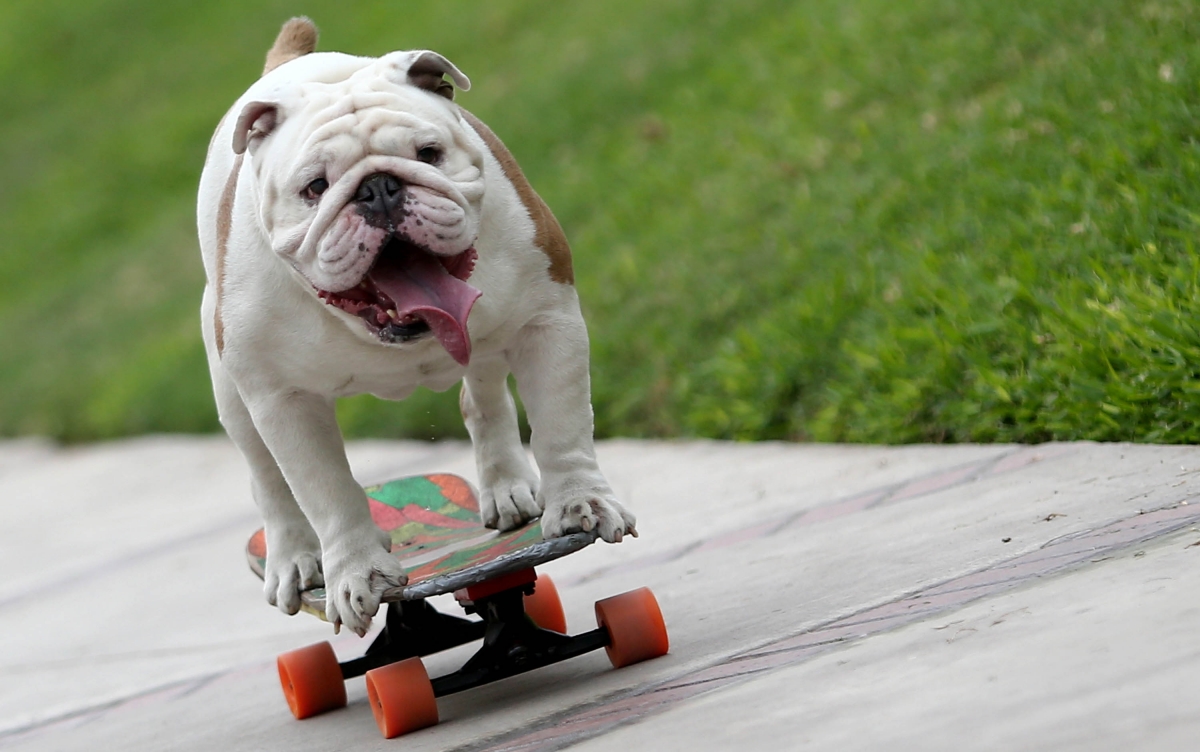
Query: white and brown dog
363	233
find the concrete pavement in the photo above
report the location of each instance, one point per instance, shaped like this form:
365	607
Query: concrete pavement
818	597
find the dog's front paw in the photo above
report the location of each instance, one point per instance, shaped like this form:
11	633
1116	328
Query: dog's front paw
585	506
509	501
293	565
356	576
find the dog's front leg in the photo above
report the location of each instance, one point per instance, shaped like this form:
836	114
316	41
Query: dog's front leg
293	551
508	485
550	362
302	433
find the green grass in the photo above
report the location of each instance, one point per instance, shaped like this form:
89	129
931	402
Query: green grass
851	220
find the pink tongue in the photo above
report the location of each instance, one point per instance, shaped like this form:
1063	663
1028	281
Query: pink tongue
422	286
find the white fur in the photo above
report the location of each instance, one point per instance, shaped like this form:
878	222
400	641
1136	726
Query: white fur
288	355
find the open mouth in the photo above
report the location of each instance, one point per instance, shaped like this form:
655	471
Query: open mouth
409	293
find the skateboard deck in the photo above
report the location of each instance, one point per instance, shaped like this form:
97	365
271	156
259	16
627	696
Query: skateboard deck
438	537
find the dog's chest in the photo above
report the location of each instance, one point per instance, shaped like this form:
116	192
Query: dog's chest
345	366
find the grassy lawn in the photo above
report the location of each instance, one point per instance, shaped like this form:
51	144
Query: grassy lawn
848	220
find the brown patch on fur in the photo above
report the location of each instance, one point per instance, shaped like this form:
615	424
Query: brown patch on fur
550	236
297	38
220	125
224	226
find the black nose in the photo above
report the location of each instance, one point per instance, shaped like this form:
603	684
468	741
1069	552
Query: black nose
378	195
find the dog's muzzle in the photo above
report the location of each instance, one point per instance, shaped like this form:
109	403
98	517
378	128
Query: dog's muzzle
409	291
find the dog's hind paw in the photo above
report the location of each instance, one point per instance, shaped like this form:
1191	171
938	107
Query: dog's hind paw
509	502
293	566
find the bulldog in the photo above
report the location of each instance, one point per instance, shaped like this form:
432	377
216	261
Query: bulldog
361	232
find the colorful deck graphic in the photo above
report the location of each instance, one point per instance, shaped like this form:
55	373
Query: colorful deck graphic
437	536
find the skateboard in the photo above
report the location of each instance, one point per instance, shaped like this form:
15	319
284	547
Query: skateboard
438	537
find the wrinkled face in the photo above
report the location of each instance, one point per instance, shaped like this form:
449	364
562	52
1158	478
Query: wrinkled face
371	191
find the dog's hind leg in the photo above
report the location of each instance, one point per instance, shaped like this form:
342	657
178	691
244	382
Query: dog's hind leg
550	362
508	485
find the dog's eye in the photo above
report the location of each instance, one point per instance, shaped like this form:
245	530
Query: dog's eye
314	189
429	154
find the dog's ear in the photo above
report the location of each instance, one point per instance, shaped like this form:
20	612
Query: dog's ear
424	69
257	121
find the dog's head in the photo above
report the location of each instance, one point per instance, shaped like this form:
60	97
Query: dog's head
369	187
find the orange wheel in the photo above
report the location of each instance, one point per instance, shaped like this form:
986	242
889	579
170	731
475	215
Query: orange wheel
312	680
636	631
545	607
401	697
